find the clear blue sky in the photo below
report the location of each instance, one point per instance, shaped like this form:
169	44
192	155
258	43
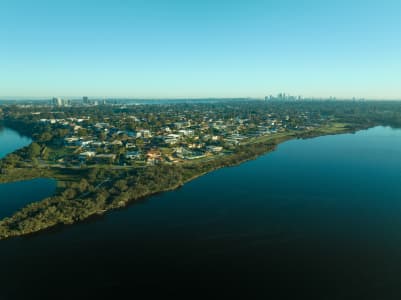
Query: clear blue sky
200	48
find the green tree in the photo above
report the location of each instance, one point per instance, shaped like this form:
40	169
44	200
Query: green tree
33	150
83	185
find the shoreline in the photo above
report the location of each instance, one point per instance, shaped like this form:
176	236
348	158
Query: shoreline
263	147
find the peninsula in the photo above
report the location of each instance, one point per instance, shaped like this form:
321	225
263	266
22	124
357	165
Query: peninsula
106	155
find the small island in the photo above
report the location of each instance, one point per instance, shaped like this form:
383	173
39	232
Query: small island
107	155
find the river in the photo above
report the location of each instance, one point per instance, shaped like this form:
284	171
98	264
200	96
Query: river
316	219
10	140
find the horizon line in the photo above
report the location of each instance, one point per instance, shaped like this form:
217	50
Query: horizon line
39	98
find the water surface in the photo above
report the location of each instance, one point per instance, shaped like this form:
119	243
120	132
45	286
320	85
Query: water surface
10	140
316	219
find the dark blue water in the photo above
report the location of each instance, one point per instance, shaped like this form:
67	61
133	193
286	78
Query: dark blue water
16	195
316	219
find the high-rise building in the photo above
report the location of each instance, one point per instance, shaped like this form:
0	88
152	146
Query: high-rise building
85	100
57	102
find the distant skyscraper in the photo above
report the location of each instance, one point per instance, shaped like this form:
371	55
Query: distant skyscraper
57	102
85	100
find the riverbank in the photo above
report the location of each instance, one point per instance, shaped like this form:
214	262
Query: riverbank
79	195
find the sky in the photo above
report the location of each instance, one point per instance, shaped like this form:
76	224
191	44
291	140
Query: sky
200	48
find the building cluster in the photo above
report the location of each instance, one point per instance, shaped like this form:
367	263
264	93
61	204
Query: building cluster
137	136
60	102
283	97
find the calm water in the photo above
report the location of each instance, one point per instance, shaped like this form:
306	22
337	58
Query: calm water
316	219
17	194
10	141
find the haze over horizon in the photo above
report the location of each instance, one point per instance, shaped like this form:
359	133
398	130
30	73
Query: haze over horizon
187	49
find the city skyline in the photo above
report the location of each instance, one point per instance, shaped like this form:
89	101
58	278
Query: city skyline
88	100
206	49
